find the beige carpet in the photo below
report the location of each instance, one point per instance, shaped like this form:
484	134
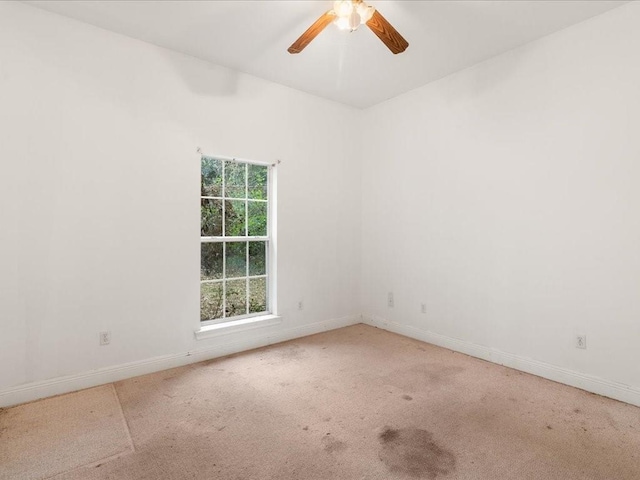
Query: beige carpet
45	438
358	403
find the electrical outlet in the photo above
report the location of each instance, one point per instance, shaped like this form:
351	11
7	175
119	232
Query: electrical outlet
390	302
105	338
423	307
300	305
581	341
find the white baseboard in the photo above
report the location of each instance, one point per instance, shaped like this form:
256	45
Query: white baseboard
606	388
60	385
56	386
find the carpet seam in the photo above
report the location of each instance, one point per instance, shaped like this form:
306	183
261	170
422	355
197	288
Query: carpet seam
130	450
89	465
124	418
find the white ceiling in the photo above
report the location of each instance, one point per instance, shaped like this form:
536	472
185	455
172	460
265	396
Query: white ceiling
352	68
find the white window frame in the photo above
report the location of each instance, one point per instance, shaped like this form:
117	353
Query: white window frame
270	240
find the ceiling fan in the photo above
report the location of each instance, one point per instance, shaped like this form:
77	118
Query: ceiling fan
349	15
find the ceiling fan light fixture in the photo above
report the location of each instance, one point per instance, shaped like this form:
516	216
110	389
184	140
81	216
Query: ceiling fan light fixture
365	11
351	14
343	8
342	23
354	20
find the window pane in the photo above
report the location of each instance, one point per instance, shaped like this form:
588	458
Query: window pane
235	179
234	215
257	295
257	219
211	177
240	209
210	301
211	261
210	218
236	298
258	177
236	259
257	258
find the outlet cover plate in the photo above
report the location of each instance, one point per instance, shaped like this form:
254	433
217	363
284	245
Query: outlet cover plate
105	338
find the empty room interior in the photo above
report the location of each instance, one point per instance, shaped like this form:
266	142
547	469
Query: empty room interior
317	240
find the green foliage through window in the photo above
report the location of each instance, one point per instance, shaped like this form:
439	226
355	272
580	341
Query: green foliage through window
233	271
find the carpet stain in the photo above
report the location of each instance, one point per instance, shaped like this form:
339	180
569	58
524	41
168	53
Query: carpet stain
332	445
388	435
407	397
432	374
412	452
292	352
282	355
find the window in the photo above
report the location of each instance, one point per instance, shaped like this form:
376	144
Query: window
235	237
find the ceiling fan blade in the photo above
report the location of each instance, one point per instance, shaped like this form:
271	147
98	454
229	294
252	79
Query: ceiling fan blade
385	32
312	32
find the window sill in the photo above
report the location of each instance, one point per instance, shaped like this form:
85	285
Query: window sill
219	329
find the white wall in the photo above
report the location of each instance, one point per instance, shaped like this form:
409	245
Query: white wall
506	197
99	196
